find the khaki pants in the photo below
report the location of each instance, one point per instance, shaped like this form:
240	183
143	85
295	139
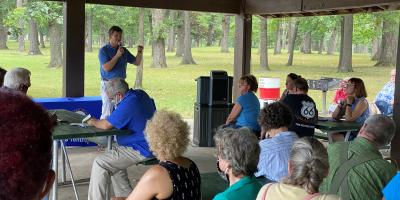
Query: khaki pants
112	166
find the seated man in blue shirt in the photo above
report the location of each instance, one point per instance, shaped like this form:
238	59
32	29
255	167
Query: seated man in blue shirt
133	109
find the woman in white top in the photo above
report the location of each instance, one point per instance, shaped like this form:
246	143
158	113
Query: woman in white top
308	166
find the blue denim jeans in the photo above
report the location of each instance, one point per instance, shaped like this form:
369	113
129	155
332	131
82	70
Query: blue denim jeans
385	107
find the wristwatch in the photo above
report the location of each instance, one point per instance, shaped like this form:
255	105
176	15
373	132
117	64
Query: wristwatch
348	105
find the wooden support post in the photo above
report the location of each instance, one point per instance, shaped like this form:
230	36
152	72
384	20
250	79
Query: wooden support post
242	52
395	145
74	48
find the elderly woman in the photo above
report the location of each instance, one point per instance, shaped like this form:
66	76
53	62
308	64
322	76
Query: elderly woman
355	108
275	119
247	107
308	166
175	177
237	157
290	87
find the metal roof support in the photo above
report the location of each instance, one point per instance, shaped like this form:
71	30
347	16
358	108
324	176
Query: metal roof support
74	48
395	145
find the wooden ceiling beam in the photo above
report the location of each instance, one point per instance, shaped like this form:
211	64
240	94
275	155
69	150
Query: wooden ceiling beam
317	5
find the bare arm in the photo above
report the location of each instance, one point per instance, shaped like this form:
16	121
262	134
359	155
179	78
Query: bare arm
108	66
352	115
154	183
234	113
101	124
337	113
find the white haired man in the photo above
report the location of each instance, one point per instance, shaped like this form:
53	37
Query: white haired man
356	168
133	109
18	79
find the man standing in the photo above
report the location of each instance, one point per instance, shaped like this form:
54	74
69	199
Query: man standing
133	109
384	99
356	168
113	58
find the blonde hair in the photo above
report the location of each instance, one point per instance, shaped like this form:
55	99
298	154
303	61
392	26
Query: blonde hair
167	134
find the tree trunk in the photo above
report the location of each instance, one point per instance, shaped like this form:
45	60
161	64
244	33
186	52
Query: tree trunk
288	34
33	38
332	42
180	44
159	59
55	44
277	49
187	55
321	45
89	31
139	69
20	30
388	45
103	34
171	32
376	54
292	42
345	57
210	31
41	39
374	47
263	45
3	35
306	43
225	34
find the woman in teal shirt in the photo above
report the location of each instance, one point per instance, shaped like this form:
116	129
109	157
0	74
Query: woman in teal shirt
237	158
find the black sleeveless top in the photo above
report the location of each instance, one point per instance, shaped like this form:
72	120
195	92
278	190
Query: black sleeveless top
185	181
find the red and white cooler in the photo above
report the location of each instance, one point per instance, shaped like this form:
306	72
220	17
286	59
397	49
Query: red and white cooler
269	90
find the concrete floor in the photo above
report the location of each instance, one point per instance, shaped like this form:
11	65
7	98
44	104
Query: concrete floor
81	160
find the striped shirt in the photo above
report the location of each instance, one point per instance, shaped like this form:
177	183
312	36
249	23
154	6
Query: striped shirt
274	155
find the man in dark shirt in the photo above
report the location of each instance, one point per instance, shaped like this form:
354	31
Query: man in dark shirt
304	109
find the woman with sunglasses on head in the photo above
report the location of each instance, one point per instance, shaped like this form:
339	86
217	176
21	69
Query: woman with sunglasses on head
247	107
237	158
354	108
290	88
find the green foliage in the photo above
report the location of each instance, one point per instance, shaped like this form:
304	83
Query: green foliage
13	17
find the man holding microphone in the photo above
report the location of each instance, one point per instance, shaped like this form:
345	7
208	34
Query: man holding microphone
113	58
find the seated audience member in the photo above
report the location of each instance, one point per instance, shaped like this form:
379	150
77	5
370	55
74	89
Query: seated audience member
275	119
354	109
175	177
134	108
385	98
18	79
25	148
289	84
308	166
340	95
303	108
247	107
391	190
357	169
237	157
2	74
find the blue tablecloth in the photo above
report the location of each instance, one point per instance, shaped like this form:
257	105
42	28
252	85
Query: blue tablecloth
88	105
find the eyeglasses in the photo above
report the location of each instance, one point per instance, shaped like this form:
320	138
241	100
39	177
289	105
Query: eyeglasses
350	84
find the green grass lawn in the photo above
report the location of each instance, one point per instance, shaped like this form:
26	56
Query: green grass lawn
174	88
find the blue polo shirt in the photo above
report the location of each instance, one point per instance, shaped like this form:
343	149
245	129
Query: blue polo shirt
250	110
106	53
132	113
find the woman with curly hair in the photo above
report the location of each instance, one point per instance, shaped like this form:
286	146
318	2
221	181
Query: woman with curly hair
275	120
175	177
247	107
308	166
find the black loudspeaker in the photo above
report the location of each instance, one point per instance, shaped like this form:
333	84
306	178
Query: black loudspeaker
214	90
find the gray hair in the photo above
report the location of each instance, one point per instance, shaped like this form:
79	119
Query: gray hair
381	128
240	148
16	77
116	85
309	164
